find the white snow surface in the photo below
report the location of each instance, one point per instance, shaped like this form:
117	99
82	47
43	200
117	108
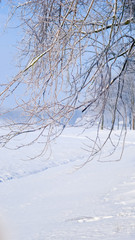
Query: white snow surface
55	198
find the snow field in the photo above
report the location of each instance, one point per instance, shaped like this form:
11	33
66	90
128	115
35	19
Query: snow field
53	199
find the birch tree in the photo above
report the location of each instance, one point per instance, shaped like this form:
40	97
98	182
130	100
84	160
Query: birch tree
71	54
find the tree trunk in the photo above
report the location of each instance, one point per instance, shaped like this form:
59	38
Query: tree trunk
102	122
133	123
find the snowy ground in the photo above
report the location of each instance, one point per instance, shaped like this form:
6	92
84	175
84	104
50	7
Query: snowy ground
50	199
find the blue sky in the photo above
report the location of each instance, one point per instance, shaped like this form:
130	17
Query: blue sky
8	39
8	47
